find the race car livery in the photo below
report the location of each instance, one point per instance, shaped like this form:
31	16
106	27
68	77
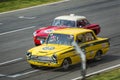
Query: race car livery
58	49
63	22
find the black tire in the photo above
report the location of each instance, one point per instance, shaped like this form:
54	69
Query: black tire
66	64
33	66
98	56
37	44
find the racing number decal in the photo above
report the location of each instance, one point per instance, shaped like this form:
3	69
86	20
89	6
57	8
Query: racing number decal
49	30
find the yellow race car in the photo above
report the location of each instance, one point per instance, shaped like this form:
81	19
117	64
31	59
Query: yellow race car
58	51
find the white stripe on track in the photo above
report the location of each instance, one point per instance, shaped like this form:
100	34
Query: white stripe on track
78	78
1	23
18	75
1	75
14	60
17	30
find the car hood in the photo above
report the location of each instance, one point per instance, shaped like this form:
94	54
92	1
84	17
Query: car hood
49	49
43	32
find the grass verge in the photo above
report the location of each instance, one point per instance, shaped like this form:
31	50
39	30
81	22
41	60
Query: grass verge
109	75
8	5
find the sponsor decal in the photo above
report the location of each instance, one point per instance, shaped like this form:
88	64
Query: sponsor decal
49	30
48	48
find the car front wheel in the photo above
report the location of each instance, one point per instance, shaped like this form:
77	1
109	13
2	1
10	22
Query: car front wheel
98	56
33	66
66	64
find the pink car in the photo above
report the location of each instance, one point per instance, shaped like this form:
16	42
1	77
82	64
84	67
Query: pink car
64	22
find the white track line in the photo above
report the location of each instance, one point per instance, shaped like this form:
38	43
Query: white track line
18	75
26	17
1	23
17	30
35	6
1	75
26	9
78	78
14	60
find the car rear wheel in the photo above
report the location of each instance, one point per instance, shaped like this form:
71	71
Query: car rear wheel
98	56
66	64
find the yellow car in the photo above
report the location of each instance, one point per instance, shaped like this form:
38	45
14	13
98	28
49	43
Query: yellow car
58	51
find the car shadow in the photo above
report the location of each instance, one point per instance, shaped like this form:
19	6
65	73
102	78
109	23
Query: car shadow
91	63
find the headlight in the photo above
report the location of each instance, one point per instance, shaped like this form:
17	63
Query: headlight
54	57
28	54
34	34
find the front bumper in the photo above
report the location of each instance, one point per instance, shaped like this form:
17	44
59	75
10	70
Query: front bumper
44	64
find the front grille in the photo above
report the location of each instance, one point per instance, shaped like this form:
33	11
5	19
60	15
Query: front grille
41	58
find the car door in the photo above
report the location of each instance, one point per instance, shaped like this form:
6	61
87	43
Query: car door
86	42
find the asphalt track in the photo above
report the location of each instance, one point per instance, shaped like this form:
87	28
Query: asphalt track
16	30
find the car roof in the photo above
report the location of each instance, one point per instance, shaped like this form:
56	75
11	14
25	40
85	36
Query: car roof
72	31
72	17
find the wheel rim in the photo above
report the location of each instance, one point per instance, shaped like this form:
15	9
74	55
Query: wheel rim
65	64
98	56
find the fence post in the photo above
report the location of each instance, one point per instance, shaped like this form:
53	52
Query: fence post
83	59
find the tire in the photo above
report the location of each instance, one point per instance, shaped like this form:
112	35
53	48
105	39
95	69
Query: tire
37	44
98	56
33	66
66	64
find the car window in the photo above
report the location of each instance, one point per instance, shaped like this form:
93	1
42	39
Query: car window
86	22
82	23
63	39
60	22
80	38
89	37
86	37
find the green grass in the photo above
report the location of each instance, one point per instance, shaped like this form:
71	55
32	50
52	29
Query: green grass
8	5
109	75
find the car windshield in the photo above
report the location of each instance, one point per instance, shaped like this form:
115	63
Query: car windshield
60	22
62	39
